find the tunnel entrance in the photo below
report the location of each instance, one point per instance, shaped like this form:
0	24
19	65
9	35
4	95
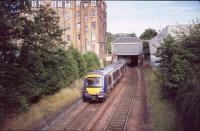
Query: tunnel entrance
132	60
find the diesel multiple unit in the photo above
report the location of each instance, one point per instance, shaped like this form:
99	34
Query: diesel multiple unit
98	83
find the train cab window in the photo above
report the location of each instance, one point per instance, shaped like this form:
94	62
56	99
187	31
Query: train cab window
109	80
93	81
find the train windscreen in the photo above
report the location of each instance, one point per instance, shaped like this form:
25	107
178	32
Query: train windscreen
93	81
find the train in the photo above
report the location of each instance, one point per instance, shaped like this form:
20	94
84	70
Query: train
98	83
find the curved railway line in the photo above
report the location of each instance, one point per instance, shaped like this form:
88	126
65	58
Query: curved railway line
111	115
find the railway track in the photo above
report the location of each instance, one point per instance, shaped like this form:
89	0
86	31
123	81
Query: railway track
81	120
119	118
111	115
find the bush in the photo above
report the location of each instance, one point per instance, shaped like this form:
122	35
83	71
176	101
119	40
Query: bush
179	74
92	61
35	68
188	106
79	59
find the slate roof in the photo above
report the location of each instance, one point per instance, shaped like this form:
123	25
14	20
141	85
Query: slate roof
127	40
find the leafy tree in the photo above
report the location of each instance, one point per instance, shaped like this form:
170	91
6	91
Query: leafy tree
109	40
92	61
31	61
11	25
132	35
188	97
148	34
79	59
179	74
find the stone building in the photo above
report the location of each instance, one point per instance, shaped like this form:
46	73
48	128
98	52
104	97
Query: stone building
84	23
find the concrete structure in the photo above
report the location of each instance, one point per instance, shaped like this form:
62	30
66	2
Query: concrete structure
85	23
127	47
155	42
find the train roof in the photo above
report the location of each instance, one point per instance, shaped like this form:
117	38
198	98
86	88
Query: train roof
109	68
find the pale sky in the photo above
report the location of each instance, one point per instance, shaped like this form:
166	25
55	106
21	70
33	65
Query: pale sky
136	16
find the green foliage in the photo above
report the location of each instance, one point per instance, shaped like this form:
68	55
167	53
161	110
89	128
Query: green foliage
148	34
179	74
188	106
146	49
35	65
109	40
92	61
79	59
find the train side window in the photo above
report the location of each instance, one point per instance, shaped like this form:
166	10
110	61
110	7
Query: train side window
114	76
121	69
118	73
109	80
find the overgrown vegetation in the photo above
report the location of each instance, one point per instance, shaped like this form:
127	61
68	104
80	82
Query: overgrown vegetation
48	106
33	62
162	112
147	35
179	74
92	61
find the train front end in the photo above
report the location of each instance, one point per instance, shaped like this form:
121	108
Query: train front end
94	88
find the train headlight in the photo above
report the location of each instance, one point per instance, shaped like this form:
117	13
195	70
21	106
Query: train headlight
85	91
100	96
102	91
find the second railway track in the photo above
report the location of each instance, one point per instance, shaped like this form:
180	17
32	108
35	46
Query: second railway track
119	117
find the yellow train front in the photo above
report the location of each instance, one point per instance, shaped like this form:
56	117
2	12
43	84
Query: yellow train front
97	83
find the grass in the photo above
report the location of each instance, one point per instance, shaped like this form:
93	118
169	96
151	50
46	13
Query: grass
45	107
162	112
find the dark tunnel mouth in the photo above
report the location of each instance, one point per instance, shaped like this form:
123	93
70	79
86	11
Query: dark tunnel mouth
133	59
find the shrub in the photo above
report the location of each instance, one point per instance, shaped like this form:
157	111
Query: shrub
179	74
188	106
79	59
92	61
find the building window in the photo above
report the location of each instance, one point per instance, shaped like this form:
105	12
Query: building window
93	3
41	3
68	16
34	3
78	26
93	25
86	28
68	27
79	36
84	5
77	14
93	12
68	37
78	2
53	4
59	3
93	35
67	4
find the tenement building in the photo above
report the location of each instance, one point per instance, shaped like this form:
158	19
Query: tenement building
84	23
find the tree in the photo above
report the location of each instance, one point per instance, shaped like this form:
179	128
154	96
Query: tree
11	25
148	34
92	61
31	61
131	35
79	59
108	43
179	74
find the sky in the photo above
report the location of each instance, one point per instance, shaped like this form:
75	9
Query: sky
136	16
